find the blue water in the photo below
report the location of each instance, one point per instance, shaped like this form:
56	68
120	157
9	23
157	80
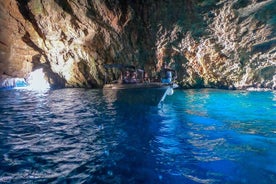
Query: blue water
86	136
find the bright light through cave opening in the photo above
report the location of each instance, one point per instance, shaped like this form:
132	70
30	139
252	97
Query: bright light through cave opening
37	81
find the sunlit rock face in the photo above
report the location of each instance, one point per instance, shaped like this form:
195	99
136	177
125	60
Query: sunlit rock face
240	49
226	44
70	40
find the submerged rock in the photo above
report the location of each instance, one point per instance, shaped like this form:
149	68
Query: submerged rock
225	44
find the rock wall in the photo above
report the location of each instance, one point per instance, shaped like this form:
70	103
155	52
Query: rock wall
237	49
225	44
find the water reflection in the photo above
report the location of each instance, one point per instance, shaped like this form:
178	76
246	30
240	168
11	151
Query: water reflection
180	154
274	97
87	136
199	101
59	134
110	96
224	134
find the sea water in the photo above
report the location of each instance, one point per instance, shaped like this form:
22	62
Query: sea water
86	136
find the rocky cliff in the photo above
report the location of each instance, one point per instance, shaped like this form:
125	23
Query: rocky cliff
211	43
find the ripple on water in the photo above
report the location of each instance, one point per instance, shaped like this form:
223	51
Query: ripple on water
85	136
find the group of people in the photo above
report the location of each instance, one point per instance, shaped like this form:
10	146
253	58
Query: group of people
167	75
129	77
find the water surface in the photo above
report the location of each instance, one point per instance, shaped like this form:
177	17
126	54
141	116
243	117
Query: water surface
86	136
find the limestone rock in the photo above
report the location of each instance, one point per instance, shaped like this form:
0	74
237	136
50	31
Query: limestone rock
225	44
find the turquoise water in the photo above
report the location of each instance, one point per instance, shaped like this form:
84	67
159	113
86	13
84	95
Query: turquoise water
86	136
